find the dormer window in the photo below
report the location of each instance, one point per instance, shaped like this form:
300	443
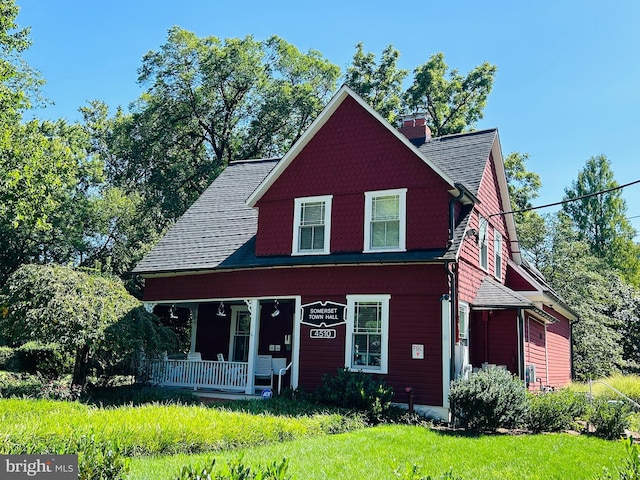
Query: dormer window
385	220
312	225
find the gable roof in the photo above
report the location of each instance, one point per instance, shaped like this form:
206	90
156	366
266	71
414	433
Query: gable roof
215	226
218	230
318	123
462	156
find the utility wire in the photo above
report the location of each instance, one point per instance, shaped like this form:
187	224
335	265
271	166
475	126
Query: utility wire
567	200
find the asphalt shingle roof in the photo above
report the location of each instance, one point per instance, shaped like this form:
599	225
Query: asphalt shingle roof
462	156
492	294
215	226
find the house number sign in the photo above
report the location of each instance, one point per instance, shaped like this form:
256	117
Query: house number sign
322	333
323	315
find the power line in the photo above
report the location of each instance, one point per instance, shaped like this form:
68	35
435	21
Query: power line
569	200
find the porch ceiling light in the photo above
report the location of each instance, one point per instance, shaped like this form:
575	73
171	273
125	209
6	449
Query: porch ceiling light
276	310
221	312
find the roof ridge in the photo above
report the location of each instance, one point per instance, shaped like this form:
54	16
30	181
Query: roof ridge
461	134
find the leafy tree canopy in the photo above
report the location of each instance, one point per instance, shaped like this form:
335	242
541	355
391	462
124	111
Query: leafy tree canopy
87	314
380	85
600	219
453	102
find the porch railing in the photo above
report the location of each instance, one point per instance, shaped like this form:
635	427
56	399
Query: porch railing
199	374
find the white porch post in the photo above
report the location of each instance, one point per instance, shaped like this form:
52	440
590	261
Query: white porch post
295	354
193	308
254	310
445	301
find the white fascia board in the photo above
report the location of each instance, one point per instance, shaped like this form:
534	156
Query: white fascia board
514	246
318	123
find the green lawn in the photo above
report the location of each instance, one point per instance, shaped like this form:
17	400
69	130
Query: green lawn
375	453
160	439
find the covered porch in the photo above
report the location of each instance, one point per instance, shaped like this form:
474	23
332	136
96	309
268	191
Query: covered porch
238	346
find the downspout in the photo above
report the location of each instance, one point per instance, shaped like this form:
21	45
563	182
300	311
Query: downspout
520	330
451	269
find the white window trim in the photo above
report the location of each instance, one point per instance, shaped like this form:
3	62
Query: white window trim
298	202
235	310
481	221
463	309
384	348
497	254
368	206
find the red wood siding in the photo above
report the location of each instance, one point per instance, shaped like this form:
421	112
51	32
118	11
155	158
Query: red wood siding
470	273
351	154
494	339
559	350
535	349
414	314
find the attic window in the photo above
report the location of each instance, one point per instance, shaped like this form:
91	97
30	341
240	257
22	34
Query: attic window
385	220
497	252
311	225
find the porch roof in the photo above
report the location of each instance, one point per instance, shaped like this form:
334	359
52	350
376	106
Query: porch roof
492	295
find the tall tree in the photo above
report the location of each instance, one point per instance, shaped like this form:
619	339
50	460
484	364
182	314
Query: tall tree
18	82
379	84
600	217
454	102
524	187
591	288
208	102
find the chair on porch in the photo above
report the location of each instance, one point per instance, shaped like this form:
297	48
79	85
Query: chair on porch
220	357
264	370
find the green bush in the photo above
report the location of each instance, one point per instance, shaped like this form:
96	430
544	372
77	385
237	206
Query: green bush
6	353
14	384
610	418
357	391
488	400
630	470
42	359
236	470
555	411
97	459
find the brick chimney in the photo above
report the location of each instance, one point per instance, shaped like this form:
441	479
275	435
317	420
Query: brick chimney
415	128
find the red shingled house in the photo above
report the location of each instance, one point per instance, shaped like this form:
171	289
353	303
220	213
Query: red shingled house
366	247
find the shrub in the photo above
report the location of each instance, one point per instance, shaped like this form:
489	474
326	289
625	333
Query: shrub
236	470
488	400
97	459
610	418
6	353
630	470
20	385
356	390
555	411
42	359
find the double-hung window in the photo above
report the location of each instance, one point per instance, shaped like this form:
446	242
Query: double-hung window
483	243
367	333
497	252
312	225
385	220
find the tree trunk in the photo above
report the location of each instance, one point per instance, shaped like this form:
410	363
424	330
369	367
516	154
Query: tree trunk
81	366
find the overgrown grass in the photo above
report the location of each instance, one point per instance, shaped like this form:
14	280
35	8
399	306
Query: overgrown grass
627	384
154	429
378	451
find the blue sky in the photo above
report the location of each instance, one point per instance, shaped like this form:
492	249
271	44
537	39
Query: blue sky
567	87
